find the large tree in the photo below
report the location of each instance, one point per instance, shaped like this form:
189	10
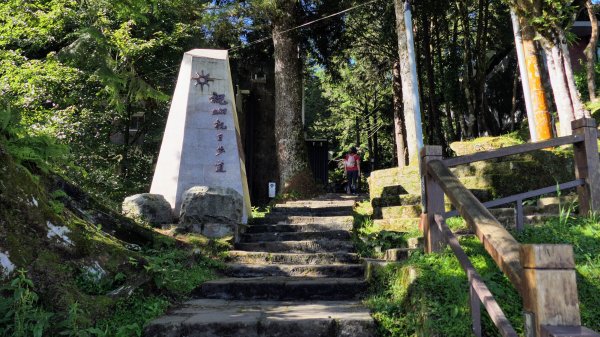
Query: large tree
289	135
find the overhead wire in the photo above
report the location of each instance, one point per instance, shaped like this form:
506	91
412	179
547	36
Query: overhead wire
266	38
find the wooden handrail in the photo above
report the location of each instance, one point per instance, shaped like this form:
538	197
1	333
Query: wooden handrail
512	150
477	285
498	242
526	195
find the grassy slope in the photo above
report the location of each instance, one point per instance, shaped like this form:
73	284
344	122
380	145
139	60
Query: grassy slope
428	294
150	270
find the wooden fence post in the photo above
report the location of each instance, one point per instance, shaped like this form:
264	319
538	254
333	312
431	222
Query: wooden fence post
434	200
549	288
587	165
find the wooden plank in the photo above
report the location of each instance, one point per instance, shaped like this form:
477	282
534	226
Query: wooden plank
475	310
587	165
519	216
476	283
552	295
527	195
498	242
547	256
434	203
567	331
512	150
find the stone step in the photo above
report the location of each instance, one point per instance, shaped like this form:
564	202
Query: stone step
308	211
282	288
211	318
510	211
328	270
398	225
510	222
317	204
296	236
396	200
309	227
309	246
237	256
400	212
280	218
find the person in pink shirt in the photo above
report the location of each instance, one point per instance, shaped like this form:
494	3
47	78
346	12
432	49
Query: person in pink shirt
352	169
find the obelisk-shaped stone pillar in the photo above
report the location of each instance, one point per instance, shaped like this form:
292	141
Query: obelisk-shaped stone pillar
201	145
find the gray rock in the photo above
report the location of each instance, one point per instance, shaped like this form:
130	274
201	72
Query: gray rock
152	208
211	211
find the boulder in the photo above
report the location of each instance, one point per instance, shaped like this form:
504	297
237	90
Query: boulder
211	211
151	208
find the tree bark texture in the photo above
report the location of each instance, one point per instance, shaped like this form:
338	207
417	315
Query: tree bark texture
578	109
543	122
399	126
407	84
562	98
291	148
590	51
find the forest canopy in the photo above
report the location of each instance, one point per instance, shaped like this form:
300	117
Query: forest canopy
77	77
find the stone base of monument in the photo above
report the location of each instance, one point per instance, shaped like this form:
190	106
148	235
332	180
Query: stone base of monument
214	212
151	208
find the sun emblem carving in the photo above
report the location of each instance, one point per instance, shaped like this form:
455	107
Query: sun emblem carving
202	80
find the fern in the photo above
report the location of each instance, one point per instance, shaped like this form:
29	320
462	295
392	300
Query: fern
39	150
5	117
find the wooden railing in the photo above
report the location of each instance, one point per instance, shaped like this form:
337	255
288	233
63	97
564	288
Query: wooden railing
536	271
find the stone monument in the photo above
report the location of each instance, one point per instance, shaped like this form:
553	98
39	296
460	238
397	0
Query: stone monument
202	145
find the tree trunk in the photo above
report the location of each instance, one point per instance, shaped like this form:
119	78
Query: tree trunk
562	97
578	109
291	148
408	98
399	128
124	165
590	51
536	89
375	144
470	119
513	109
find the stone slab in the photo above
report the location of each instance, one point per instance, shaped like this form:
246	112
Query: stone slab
265	318
189	152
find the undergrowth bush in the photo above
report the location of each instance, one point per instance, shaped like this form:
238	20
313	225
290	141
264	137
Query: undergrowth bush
174	274
427	295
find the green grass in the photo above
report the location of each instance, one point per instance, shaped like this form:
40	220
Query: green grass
369	240
171	275
435	302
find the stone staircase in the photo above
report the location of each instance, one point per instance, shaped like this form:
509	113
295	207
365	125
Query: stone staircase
293	273
396	200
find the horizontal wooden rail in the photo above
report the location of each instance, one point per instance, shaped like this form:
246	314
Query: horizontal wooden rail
512	150
498	242
477	287
527	195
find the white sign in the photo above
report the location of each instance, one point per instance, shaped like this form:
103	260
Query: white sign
272	189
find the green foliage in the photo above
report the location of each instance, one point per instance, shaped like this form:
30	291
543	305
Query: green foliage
428	294
179	271
369	239
38	150
436	301
20	313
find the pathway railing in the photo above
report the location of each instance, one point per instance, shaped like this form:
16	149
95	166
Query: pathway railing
536	271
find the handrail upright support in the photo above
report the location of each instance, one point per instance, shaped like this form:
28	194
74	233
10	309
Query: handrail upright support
434	200
475	309
587	165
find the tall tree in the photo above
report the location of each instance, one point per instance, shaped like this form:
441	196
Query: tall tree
590	51
409	99
291	149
